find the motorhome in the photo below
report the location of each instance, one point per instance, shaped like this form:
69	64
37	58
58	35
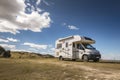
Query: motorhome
76	48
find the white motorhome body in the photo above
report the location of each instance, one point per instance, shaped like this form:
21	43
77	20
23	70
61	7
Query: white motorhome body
76	47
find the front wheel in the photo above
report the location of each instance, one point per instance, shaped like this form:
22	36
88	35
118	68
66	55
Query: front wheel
85	58
96	60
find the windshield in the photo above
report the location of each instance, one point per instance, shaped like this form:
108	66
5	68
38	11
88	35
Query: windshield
88	46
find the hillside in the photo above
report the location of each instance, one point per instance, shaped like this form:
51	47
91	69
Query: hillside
18	54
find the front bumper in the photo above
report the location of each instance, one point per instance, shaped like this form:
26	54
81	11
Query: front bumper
94	56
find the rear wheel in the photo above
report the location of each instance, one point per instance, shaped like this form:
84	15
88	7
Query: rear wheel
73	59
85	58
61	58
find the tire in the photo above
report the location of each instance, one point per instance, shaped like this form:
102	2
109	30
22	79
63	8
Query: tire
85	58
61	58
73	59
96	60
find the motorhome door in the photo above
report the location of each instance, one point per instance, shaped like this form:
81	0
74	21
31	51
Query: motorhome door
75	52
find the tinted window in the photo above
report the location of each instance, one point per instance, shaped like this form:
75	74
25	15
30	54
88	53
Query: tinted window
66	44
74	45
87	38
79	46
59	46
88	46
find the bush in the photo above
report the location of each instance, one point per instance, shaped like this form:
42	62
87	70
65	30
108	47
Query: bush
7	54
4	53
2	50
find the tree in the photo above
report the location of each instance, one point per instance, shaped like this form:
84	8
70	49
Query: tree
4	53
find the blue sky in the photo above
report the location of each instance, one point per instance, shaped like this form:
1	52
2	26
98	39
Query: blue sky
35	25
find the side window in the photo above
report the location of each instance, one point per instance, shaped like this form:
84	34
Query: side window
59	46
66	44
79	46
73	45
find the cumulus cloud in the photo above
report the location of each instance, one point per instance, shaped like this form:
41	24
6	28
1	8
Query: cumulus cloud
34	21
36	46
112	56
20	50
46	3
13	18
38	2
64	24
8	40
7	26
52	49
12	40
72	27
7	46
4	40
10	9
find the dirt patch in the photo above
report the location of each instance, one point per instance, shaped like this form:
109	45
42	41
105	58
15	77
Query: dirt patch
89	71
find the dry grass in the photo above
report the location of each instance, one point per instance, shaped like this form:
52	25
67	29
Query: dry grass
25	69
24	55
102	65
52	69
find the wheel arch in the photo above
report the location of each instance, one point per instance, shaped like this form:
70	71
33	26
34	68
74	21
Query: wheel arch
84	55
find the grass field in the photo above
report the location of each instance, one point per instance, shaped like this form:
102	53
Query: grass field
53	69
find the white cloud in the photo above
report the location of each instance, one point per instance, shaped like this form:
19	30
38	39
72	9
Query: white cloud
4	40
38	2
111	56
72	27
46	3
52	49
6	26
20	50
36	46
64	24
7	46
12	40
34	21
13	19
8	40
